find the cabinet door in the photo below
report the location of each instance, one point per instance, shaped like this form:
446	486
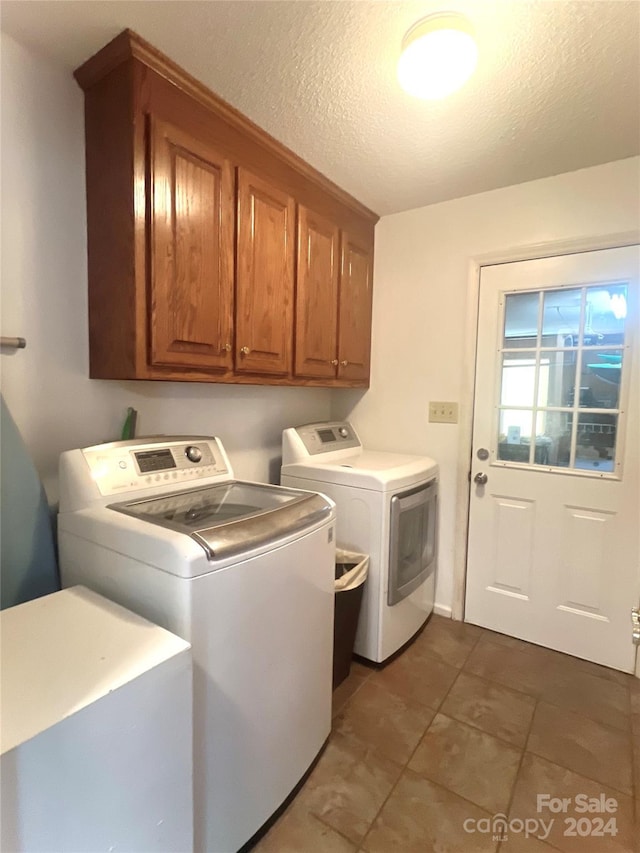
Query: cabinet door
192	269
264	293
316	296
354	323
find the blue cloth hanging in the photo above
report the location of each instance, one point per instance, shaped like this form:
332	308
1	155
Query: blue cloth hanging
29	568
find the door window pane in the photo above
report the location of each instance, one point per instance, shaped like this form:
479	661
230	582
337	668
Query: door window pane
521	319
514	435
580	325
606	310
557	378
600	380
553	439
596	442
561	317
518	379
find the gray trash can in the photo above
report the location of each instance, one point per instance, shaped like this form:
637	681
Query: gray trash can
351	574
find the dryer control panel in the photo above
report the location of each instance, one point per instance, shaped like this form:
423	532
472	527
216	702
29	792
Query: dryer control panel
325	437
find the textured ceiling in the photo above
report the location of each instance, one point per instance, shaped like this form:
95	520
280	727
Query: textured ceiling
557	86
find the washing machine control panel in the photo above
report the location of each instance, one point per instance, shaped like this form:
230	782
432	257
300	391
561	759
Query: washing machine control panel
323	437
125	466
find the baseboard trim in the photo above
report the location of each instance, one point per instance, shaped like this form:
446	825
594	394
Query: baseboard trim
442	610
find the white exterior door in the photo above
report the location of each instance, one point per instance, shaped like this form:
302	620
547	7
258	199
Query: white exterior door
554	548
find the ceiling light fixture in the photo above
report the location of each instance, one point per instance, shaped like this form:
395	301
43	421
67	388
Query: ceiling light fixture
439	54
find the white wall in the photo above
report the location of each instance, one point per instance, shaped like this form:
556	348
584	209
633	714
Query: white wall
420	306
44	299
420	294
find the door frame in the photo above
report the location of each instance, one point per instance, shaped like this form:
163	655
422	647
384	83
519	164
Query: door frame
465	427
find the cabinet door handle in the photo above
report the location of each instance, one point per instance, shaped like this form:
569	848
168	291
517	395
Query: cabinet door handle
245	350
225	348
344	363
334	362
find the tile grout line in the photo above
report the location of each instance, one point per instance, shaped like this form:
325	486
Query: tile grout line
318	817
539	697
349	698
582	716
523	750
405	766
493	680
577	773
490	683
534	647
517	775
582	775
476	728
339	832
562	660
500	684
439	710
588	779
568	769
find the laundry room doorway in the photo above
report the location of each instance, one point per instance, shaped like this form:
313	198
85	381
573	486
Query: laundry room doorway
553	540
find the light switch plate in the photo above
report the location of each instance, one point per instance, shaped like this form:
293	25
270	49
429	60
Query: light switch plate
443	413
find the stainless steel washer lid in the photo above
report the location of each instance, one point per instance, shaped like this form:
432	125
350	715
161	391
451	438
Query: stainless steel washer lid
231	518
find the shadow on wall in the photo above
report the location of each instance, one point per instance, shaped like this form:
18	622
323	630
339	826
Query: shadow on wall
275	464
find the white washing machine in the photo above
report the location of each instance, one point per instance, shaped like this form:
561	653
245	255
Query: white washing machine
245	573
387	507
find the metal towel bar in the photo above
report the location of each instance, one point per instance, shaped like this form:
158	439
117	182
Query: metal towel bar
13	343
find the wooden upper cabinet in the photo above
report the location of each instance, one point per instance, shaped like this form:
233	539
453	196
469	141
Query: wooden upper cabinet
264	275
191	233
316	344
354	326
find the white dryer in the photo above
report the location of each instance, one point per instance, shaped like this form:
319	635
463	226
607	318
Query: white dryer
245	573
387	507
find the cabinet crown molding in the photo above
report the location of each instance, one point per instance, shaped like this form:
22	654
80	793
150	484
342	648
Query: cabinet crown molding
129	45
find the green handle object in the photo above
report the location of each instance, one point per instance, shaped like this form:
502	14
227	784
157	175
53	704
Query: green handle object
129	426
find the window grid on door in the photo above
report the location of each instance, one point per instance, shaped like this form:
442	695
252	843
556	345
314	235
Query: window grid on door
561	362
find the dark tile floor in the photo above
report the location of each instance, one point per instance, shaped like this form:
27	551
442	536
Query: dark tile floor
465	725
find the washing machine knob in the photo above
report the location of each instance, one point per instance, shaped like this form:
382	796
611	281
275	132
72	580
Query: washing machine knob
344	432
193	453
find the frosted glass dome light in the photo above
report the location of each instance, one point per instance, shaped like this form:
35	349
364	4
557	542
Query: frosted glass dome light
439	54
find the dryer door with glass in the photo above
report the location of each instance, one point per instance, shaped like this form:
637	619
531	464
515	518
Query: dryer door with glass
412	543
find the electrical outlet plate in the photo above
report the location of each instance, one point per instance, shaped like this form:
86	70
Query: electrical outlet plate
443	413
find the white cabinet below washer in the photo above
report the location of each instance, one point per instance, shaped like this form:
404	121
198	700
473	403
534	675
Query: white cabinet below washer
96	749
